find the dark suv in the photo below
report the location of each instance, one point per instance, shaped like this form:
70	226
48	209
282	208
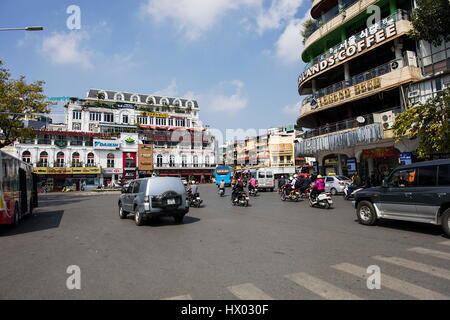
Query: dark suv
417	192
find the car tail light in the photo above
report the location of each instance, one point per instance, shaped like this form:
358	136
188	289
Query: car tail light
341	183
328	194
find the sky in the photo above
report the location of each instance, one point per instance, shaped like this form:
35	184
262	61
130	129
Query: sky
239	58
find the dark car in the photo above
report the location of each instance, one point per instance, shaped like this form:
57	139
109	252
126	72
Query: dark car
418	192
151	197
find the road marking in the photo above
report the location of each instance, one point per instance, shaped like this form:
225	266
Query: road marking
445	243
434	271
183	297
322	288
433	253
392	283
248	291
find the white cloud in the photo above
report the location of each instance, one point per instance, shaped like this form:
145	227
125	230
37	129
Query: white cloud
290	43
193	17
227	104
170	91
279	13
292	109
66	48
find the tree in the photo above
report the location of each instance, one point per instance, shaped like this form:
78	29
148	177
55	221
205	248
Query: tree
307	29
430	21
429	122
18	99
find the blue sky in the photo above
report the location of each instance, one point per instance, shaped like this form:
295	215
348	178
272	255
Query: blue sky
240	59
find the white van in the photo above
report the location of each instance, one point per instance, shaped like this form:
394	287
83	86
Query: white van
266	180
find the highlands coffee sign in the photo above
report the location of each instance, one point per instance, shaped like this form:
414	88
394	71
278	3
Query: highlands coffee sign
362	45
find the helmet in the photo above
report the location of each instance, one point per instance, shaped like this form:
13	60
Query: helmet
295	176
193	182
319	177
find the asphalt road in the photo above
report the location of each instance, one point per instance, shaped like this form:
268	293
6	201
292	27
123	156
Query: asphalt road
271	250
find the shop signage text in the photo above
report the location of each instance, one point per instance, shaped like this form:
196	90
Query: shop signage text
106	144
154	114
67	170
347	93
362	45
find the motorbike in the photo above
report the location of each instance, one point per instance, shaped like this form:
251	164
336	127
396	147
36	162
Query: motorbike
253	191
323	200
349	195
305	193
221	192
194	200
240	199
294	195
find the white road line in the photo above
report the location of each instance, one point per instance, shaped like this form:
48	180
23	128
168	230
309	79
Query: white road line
248	291
392	283
434	271
183	297
445	243
322	288
433	253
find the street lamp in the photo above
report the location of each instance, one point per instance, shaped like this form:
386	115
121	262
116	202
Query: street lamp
36	28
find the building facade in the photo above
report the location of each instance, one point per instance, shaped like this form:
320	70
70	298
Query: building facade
358	76
115	136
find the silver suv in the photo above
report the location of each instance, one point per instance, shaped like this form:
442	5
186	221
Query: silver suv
155	196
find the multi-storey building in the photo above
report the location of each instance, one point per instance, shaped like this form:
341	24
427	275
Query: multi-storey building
113	135
356	77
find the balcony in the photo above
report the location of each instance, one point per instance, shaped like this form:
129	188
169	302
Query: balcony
340	139
398	15
386	76
178	166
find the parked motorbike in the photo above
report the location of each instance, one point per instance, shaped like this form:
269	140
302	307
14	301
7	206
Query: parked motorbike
323	200
194	200
240	199
349	195
293	195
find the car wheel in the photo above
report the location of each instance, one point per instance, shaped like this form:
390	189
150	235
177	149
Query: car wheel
178	218
138	218
333	191
366	213
283	196
122	214
446	222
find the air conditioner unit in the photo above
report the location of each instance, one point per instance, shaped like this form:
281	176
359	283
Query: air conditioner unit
395	64
413	94
385	118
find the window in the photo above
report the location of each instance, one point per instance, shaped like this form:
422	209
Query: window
165	102
261	175
141	119
207	161
183	160
444	175
76	126
159	160
403	178
90	160
76	160
427	176
110	160
76	115
125	118
172	161
135	98
118	96
43	159
130	162
95	116
26	156
136	186
170	121
59	159
108	117
269	174
151	120
179	122
195	161
188	122
92	127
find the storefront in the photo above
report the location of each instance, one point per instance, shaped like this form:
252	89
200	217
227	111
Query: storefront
378	162
335	164
111	176
56	178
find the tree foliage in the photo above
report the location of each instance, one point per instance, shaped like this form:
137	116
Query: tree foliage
18	99
429	122
430	21
305	32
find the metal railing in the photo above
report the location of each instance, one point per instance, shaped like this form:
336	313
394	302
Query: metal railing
398	15
363	76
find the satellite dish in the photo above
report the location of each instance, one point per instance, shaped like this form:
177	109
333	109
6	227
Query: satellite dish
360	119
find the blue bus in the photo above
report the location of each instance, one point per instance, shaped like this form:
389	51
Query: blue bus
223	173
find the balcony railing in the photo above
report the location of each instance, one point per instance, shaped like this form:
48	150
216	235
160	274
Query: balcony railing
66	165
183	166
338	126
340	140
363	76
398	15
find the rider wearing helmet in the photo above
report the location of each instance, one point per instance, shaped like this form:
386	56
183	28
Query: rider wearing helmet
318	187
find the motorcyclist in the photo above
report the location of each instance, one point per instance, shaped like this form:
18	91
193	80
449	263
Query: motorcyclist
193	190
306	183
222	185
238	188
318	187
253	184
281	182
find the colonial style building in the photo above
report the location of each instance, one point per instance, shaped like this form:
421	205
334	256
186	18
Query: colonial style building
356	80
114	135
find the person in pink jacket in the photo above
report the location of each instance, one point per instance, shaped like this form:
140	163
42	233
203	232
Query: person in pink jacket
318	186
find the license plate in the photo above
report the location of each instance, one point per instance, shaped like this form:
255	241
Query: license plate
171	201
